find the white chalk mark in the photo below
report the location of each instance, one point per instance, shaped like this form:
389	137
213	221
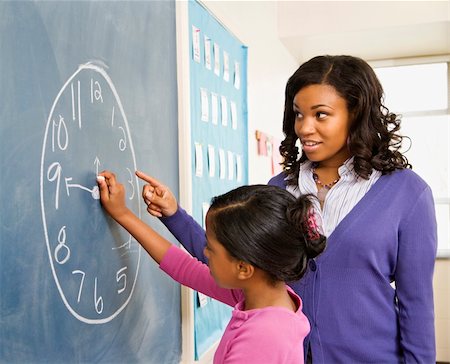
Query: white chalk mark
79	106
101	71
73	102
96	164
92	91
93	191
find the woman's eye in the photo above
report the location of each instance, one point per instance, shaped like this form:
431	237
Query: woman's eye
321	115
298	115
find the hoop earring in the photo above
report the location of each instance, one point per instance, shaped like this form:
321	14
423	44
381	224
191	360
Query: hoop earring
299	148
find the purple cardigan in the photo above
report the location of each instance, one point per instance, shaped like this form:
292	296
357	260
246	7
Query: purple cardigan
355	313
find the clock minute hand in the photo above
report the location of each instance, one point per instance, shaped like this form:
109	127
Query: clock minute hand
94	191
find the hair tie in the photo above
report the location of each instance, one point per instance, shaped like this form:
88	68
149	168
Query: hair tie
312	228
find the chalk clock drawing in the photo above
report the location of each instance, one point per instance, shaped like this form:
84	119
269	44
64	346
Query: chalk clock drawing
95	262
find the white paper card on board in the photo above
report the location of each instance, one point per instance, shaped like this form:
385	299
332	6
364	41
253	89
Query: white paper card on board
211	161
237	75
202	299
224	109
198	160
214	108
230	164
222	164
234	121
238	167
204	104
207	52
226	66
269	147
216	49
205	208
196	44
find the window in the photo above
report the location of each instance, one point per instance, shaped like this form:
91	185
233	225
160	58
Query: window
420	93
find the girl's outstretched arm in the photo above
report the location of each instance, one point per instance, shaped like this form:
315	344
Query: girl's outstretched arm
112	197
177	263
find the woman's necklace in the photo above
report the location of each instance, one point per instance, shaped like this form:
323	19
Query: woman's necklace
323	190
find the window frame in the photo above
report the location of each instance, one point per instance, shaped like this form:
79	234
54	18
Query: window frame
443	252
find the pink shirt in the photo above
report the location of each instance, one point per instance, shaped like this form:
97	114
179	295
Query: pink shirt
267	335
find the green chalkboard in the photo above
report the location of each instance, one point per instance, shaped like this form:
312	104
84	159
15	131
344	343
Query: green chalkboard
84	86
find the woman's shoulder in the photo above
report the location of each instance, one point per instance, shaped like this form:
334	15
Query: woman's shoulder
278	180
402	185
406	178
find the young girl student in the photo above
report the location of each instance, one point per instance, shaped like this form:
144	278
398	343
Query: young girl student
258	237
369	296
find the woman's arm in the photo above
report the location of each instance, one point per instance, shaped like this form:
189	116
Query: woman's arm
188	232
161	203
414	280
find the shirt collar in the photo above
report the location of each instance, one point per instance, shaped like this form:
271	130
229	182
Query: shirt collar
348	168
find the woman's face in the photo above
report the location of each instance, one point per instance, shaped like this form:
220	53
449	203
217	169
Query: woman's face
322	124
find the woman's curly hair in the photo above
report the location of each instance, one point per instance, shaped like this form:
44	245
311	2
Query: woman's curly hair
373	139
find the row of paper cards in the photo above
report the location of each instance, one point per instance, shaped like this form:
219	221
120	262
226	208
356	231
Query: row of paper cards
230	164
212	56
202	298
205	96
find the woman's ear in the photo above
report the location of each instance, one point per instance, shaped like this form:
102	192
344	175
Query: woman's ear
244	270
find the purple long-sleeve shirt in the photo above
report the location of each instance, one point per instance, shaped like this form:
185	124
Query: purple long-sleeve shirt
356	315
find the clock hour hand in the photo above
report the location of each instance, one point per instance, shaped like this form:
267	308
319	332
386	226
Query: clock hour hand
94	191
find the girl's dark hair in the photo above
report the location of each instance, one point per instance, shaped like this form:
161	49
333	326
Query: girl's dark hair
373	138
267	227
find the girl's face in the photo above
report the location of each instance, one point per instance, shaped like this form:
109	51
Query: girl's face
221	264
322	123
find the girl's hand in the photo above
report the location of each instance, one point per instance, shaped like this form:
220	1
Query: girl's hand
159	199
112	195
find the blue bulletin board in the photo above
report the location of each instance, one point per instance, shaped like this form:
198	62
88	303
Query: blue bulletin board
218	89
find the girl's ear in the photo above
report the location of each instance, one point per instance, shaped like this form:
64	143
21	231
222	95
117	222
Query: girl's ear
244	270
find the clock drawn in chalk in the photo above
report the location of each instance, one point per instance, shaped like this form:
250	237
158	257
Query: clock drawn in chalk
95	262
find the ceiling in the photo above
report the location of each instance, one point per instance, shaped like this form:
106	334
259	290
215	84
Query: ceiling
372	30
